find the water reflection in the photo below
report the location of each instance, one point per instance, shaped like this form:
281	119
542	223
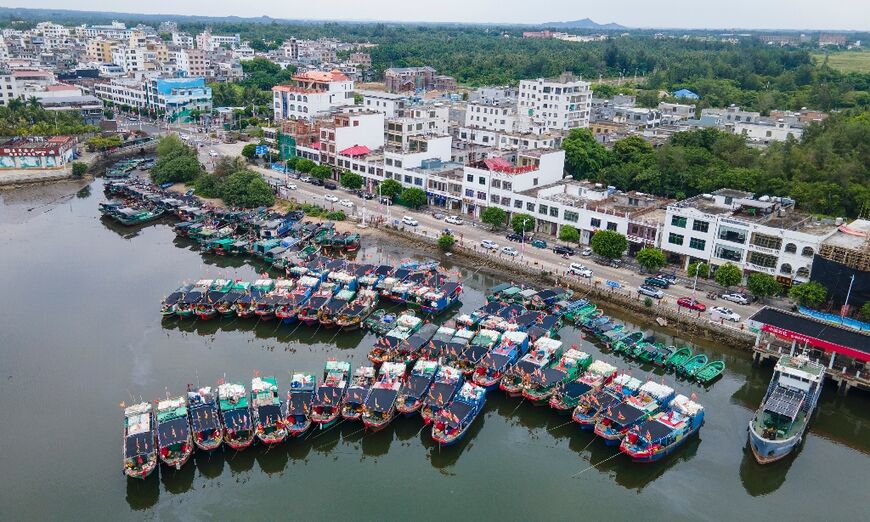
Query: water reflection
210	464
177	481
759	480
143	494
288	334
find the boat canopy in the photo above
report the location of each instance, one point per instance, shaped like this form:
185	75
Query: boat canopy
237	419
139	444
457	413
204	417
298	402
269	414
328	396
601	368
173	432
575	389
785	401
684	405
381	399
658	391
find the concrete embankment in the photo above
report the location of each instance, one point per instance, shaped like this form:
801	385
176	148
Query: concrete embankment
687	323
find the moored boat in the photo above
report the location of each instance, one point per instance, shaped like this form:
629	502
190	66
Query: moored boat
298	404
678	358
139	452
309	314
710	372
326	403
236	415
205	421
517	376
447	382
437	300
168	306
664	432
267	410
617	420
226	304
173	432
380	407
329	314
569	393
205	308
481	344
492	366
355	399
451	423
591	406
541	385
689	368
414	388
353	316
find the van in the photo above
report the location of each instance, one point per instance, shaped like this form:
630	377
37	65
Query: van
657	281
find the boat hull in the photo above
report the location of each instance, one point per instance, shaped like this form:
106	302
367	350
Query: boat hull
276	437
239	444
648	456
766	451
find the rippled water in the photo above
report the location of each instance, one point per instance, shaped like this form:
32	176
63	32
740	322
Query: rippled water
81	332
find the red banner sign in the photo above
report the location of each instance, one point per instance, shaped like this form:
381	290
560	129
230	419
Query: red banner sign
815	342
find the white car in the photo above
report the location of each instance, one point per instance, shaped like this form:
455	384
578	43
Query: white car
725	313
580	270
453	220
213	153
408	220
346	203
489	245
330	198
586	252
291	186
509	250
736	298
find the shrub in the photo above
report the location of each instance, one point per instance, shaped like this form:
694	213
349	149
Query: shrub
79	169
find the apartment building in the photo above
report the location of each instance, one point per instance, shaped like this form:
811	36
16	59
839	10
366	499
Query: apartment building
211	42
130	59
390	104
100	49
411	79
8	89
562	103
764	133
122	91
193	62
182	40
311	94
763	234
176	97
731	114
351	132
673	112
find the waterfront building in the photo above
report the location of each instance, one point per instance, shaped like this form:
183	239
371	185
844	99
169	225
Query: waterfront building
176	97
37	153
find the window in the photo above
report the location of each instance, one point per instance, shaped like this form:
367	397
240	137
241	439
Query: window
700	226
679	221
554	212
807	252
530	207
785	268
791	248
542	209
469	193
481	180
595	222
505	202
765	241
518	203
468	177
535	182
697	244
493	198
675	239
507	185
573	217
398	163
481	195
418	182
496	184
611	225
407	179
762	260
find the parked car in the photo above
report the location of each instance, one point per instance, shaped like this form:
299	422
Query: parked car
563	250
509	250
737	298
408	220
691	304
292	186
586	252
346	203
671	277
580	270
385	201
306	179
453	220
317	181
438	215
489	245
330	185
725	313
615	263
657	281
213	153
539	243
330	198
513	236
650	291
368	196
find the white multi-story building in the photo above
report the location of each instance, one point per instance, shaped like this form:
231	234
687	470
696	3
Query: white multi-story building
8	89
211	42
731	114
350	132
673	112
182	40
764	133
122	91
762	234
559	104
390	104
313	93
130	59
192	62
115	31
494	116
51	30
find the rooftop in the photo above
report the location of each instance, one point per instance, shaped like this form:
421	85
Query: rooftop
321	76
854	236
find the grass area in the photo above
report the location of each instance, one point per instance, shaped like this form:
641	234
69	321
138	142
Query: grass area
847	61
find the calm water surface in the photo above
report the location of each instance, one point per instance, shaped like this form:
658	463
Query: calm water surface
81	332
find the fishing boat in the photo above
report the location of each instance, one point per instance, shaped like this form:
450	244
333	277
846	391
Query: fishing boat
547	326
246	304
355	399
353	315
447	382
481	344
374	276
267	410
380	407
226	304
710	372
617	420
678	358
326	403
186	306
779	423
236	415
542	353
547	298
266	306
205	308
590	407
290	306
436	301
541	385
492	366
569	393
689	368
298	404
310	311
135	216
414	388
626	344
505	319
329	314
664	432
411	348
167	308
138	451
380	321
387	347
451	423
174	442
472	321
205	420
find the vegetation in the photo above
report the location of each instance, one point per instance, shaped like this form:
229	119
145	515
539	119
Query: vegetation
321	171
699	269
728	275
176	162
104	143
390	188
865	311
446	242
650	259
250	151
569	234
494	217
235	184
351	180
609	244
522	223
79	169
811	294
763	285
20	118
305	165
336	215
413	197
845	61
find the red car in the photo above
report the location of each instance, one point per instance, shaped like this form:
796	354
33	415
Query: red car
691	304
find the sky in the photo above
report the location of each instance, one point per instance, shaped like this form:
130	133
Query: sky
744	14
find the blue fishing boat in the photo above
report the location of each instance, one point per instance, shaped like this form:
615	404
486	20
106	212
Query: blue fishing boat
590	407
492	366
414	388
355	399
289	309
298	404
452	423
436	301
327	400
481	344
568	394
617	420
447	382
380	406
205	419
664	432
472	321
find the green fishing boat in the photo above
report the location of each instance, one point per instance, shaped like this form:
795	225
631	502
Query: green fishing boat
220	246
131	216
691	367
580	313
710	372
646	352
678	358
627	343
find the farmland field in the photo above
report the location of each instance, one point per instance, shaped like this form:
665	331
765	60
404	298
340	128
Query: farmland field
847	61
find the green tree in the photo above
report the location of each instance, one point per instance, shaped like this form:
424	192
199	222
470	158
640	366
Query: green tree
609	244
305	165
79	169
763	285
390	188
522	223
584	156
650	259
250	151
729	275
865	311
569	234
446	242
321	172
699	269
208	186
178	169
414	197
246	189
171	145
351	180
811	294
494	217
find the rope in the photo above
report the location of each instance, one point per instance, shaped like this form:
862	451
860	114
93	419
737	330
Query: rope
596	464
561	425
327	430
518	407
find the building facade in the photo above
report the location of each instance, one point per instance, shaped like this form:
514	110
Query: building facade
561	104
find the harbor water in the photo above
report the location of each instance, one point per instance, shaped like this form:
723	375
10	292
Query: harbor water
82	333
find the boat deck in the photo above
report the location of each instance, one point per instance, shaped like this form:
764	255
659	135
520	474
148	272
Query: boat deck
765	419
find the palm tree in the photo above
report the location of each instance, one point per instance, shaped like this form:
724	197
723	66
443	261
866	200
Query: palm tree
33	102
15	104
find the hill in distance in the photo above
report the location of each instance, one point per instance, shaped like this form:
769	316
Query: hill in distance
585	23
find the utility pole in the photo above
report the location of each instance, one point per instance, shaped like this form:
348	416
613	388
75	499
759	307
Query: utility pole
848	294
